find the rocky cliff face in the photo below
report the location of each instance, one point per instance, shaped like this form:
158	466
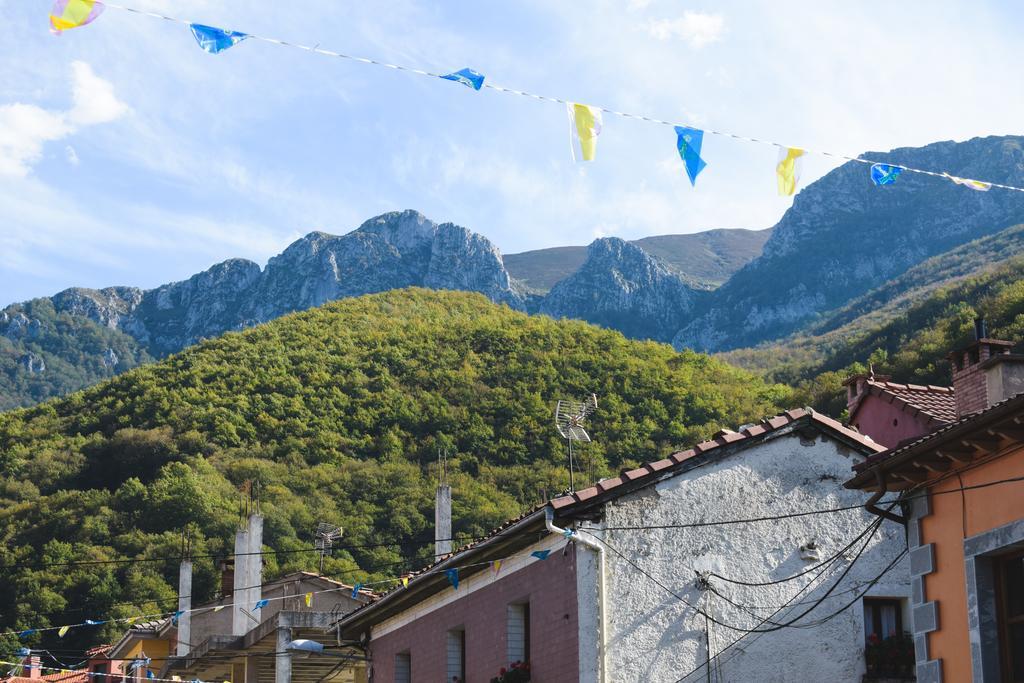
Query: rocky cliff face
399	249
622	287
843	236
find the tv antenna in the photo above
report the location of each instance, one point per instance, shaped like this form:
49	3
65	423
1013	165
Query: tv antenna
326	535
569	417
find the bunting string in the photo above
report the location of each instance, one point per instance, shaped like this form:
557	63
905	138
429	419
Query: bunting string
451	573
215	40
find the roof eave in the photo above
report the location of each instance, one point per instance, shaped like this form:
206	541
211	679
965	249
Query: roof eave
433	580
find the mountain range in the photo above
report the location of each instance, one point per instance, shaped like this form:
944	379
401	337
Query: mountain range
842	239
702	259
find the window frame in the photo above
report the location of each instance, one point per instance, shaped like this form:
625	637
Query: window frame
877	602
1003	620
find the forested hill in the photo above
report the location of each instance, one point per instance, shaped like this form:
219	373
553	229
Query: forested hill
339	412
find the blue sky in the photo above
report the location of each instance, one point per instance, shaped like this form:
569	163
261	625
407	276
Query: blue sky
129	156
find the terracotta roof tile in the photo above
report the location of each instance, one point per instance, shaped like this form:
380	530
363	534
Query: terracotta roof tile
938	403
635	474
60	677
659	465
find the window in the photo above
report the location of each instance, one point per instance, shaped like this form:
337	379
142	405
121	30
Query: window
1010	604
883	618
518	632
456	656
403	668
888	651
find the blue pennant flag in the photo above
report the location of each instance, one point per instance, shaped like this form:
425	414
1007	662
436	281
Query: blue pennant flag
688	142
355	590
540	554
24	652
27	632
90	622
884	174
262	603
467	77
453	577
149	674
174	619
215	40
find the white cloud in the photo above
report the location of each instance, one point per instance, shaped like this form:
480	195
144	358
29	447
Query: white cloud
94	99
71	155
26	128
695	28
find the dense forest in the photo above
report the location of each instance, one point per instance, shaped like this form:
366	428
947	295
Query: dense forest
910	344
339	413
76	351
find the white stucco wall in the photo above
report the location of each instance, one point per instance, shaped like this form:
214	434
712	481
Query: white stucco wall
653	637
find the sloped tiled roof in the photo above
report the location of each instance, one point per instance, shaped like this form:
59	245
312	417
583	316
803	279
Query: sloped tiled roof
654	470
937	403
966	425
60	677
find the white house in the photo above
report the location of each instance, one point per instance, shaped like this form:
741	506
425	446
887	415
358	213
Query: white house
745	551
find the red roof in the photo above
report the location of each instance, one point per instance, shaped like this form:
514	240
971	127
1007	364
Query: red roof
964	428
60	677
937	403
768	426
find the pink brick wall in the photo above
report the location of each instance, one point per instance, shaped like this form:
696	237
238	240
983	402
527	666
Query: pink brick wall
875	417
550	588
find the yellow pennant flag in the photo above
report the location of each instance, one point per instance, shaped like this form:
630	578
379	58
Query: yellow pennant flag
63	631
132	620
975	185
309	599
67	14
585	126
496	566
405	582
788	170
219	608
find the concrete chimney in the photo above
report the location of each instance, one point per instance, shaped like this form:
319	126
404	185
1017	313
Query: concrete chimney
985	372
248	575
185	607
443	520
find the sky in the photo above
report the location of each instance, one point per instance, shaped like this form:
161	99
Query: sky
128	156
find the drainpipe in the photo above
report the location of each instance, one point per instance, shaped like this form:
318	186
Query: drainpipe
602	603
877	496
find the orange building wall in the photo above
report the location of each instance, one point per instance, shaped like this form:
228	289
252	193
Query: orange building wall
947	527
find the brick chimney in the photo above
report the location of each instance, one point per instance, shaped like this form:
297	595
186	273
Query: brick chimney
857	386
985	372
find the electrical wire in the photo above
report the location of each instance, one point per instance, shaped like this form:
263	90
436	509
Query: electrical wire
760	633
810	569
792	515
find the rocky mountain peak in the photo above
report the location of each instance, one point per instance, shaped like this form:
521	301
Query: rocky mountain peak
844	236
623	287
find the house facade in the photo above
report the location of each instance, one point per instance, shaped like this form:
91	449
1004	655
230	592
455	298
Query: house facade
891	413
964	488
638	579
